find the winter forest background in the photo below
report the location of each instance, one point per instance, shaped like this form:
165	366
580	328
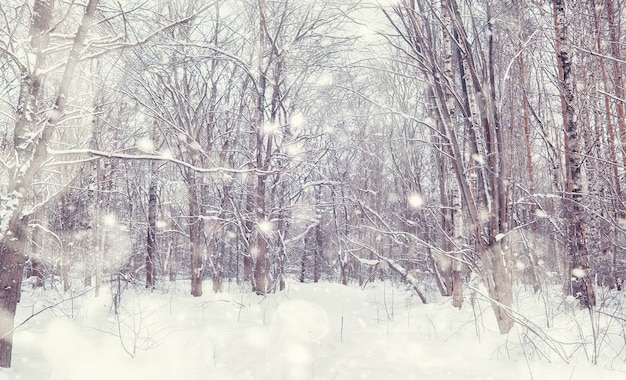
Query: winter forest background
462	147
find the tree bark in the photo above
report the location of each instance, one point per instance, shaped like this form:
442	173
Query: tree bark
614	141
12	252
151	243
456	213
491	190
457	261
31	155
532	257
196	234
578	255
618	71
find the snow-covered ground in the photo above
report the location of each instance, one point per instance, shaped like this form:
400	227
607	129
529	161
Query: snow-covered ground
310	331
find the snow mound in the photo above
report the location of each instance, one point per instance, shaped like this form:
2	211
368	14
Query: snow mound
297	328
301	321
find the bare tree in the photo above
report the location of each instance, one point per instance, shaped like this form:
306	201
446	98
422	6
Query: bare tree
578	255
30	143
483	200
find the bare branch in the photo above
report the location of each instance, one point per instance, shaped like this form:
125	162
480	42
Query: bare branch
155	157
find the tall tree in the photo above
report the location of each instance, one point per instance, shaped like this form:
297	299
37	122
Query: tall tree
578	254
30	143
483	200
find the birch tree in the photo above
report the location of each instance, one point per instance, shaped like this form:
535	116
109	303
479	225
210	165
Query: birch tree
578	254
485	207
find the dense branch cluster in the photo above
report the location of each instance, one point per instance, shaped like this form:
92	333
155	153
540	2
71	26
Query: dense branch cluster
252	141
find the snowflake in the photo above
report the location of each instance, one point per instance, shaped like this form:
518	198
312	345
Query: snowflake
416	201
579	273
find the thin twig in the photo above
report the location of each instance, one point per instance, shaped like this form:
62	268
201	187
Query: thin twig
44	309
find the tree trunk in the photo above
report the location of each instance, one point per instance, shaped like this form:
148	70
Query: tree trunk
248	255
456	211
532	257
260	250
196	235
151	244
618	71
319	239
457	261
618	78
260	285
13	256
498	284
578	255
491	197
31	155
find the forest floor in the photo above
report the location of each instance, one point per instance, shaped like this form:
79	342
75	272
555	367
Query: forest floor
312	331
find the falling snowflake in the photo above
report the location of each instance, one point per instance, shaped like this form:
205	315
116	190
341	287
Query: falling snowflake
265	226
478	159
270	128
167	154
297	120
109	220
416	201
325	79
579	273
145	145
294	149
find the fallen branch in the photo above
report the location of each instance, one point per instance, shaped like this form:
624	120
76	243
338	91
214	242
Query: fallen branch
22	323
398	269
554	345
408	277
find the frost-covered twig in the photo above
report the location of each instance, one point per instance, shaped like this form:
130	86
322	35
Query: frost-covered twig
397	268
44	309
155	157
531	326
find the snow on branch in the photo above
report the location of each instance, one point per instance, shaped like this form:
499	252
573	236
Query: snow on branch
553	344
395	267
114	44
406	275
169	26
603	56
165	158
612	97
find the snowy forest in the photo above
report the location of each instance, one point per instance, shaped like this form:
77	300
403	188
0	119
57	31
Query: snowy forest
457	149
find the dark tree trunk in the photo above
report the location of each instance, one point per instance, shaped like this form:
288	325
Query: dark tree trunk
249	231
13	256
260	251
319	253
151	244
196	235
